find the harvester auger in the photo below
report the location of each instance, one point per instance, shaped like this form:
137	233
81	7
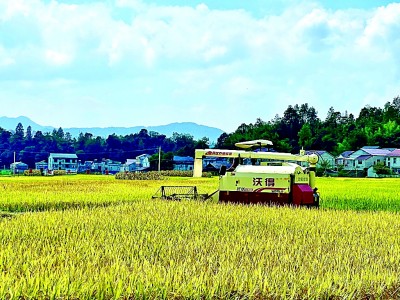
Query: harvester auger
273	178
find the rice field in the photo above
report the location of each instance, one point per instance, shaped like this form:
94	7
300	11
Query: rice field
85	237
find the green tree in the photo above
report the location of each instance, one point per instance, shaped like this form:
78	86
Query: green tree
305	136
381	169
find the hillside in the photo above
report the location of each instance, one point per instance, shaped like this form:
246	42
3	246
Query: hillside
196	130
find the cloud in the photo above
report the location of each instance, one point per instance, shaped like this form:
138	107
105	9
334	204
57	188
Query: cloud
197	55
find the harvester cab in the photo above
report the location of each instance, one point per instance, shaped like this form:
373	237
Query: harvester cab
267	177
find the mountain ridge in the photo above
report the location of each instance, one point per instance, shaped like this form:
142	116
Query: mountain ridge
196	130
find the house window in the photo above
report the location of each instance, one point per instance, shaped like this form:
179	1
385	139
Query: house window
394	160
359	162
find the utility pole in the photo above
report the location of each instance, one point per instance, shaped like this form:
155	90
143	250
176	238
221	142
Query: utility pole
159	159
14	164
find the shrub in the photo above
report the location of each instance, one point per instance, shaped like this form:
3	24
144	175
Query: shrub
59	172
31	172
155	175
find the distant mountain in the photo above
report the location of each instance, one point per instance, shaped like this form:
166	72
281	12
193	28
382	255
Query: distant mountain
195	130
11	123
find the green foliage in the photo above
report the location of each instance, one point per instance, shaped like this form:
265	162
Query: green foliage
31	149
300	127
381	169
305	136
5	172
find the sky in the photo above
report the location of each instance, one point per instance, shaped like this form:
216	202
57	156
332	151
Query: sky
123	63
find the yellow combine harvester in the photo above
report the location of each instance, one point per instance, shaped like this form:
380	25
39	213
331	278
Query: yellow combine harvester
272	178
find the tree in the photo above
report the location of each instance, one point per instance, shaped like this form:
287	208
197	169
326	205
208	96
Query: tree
19	131
324	165
202	143
381	169
221	141
60	133
305	136
29	133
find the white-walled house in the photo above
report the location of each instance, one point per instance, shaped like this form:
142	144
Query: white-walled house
143	161
365	157
18	167
140	163
393	161
63	161
111	167
41	165
343	159
129	165
363	162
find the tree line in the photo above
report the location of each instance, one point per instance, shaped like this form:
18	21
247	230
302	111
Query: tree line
30	147
300	127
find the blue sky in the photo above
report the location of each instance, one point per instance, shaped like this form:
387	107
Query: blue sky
126	63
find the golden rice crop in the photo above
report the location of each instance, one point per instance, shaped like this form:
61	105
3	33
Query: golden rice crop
126	245
360	193
19	194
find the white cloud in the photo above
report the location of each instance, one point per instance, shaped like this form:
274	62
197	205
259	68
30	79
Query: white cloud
197	54
57	58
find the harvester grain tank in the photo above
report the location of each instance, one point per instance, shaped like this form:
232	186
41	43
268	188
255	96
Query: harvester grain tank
272	178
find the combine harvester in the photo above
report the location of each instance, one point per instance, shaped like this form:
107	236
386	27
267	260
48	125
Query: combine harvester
272	178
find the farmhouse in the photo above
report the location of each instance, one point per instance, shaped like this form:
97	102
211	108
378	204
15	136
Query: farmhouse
63	161
41	165
112	167
18	167
343	159
360	162
393	161
140	163
366	157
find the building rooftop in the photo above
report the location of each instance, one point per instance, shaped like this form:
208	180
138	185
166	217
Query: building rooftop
363	157
346	154
318	152
63	155
382	152
183	159
394	153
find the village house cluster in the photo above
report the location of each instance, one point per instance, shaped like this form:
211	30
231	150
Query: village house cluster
360	162
71	164
356	163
